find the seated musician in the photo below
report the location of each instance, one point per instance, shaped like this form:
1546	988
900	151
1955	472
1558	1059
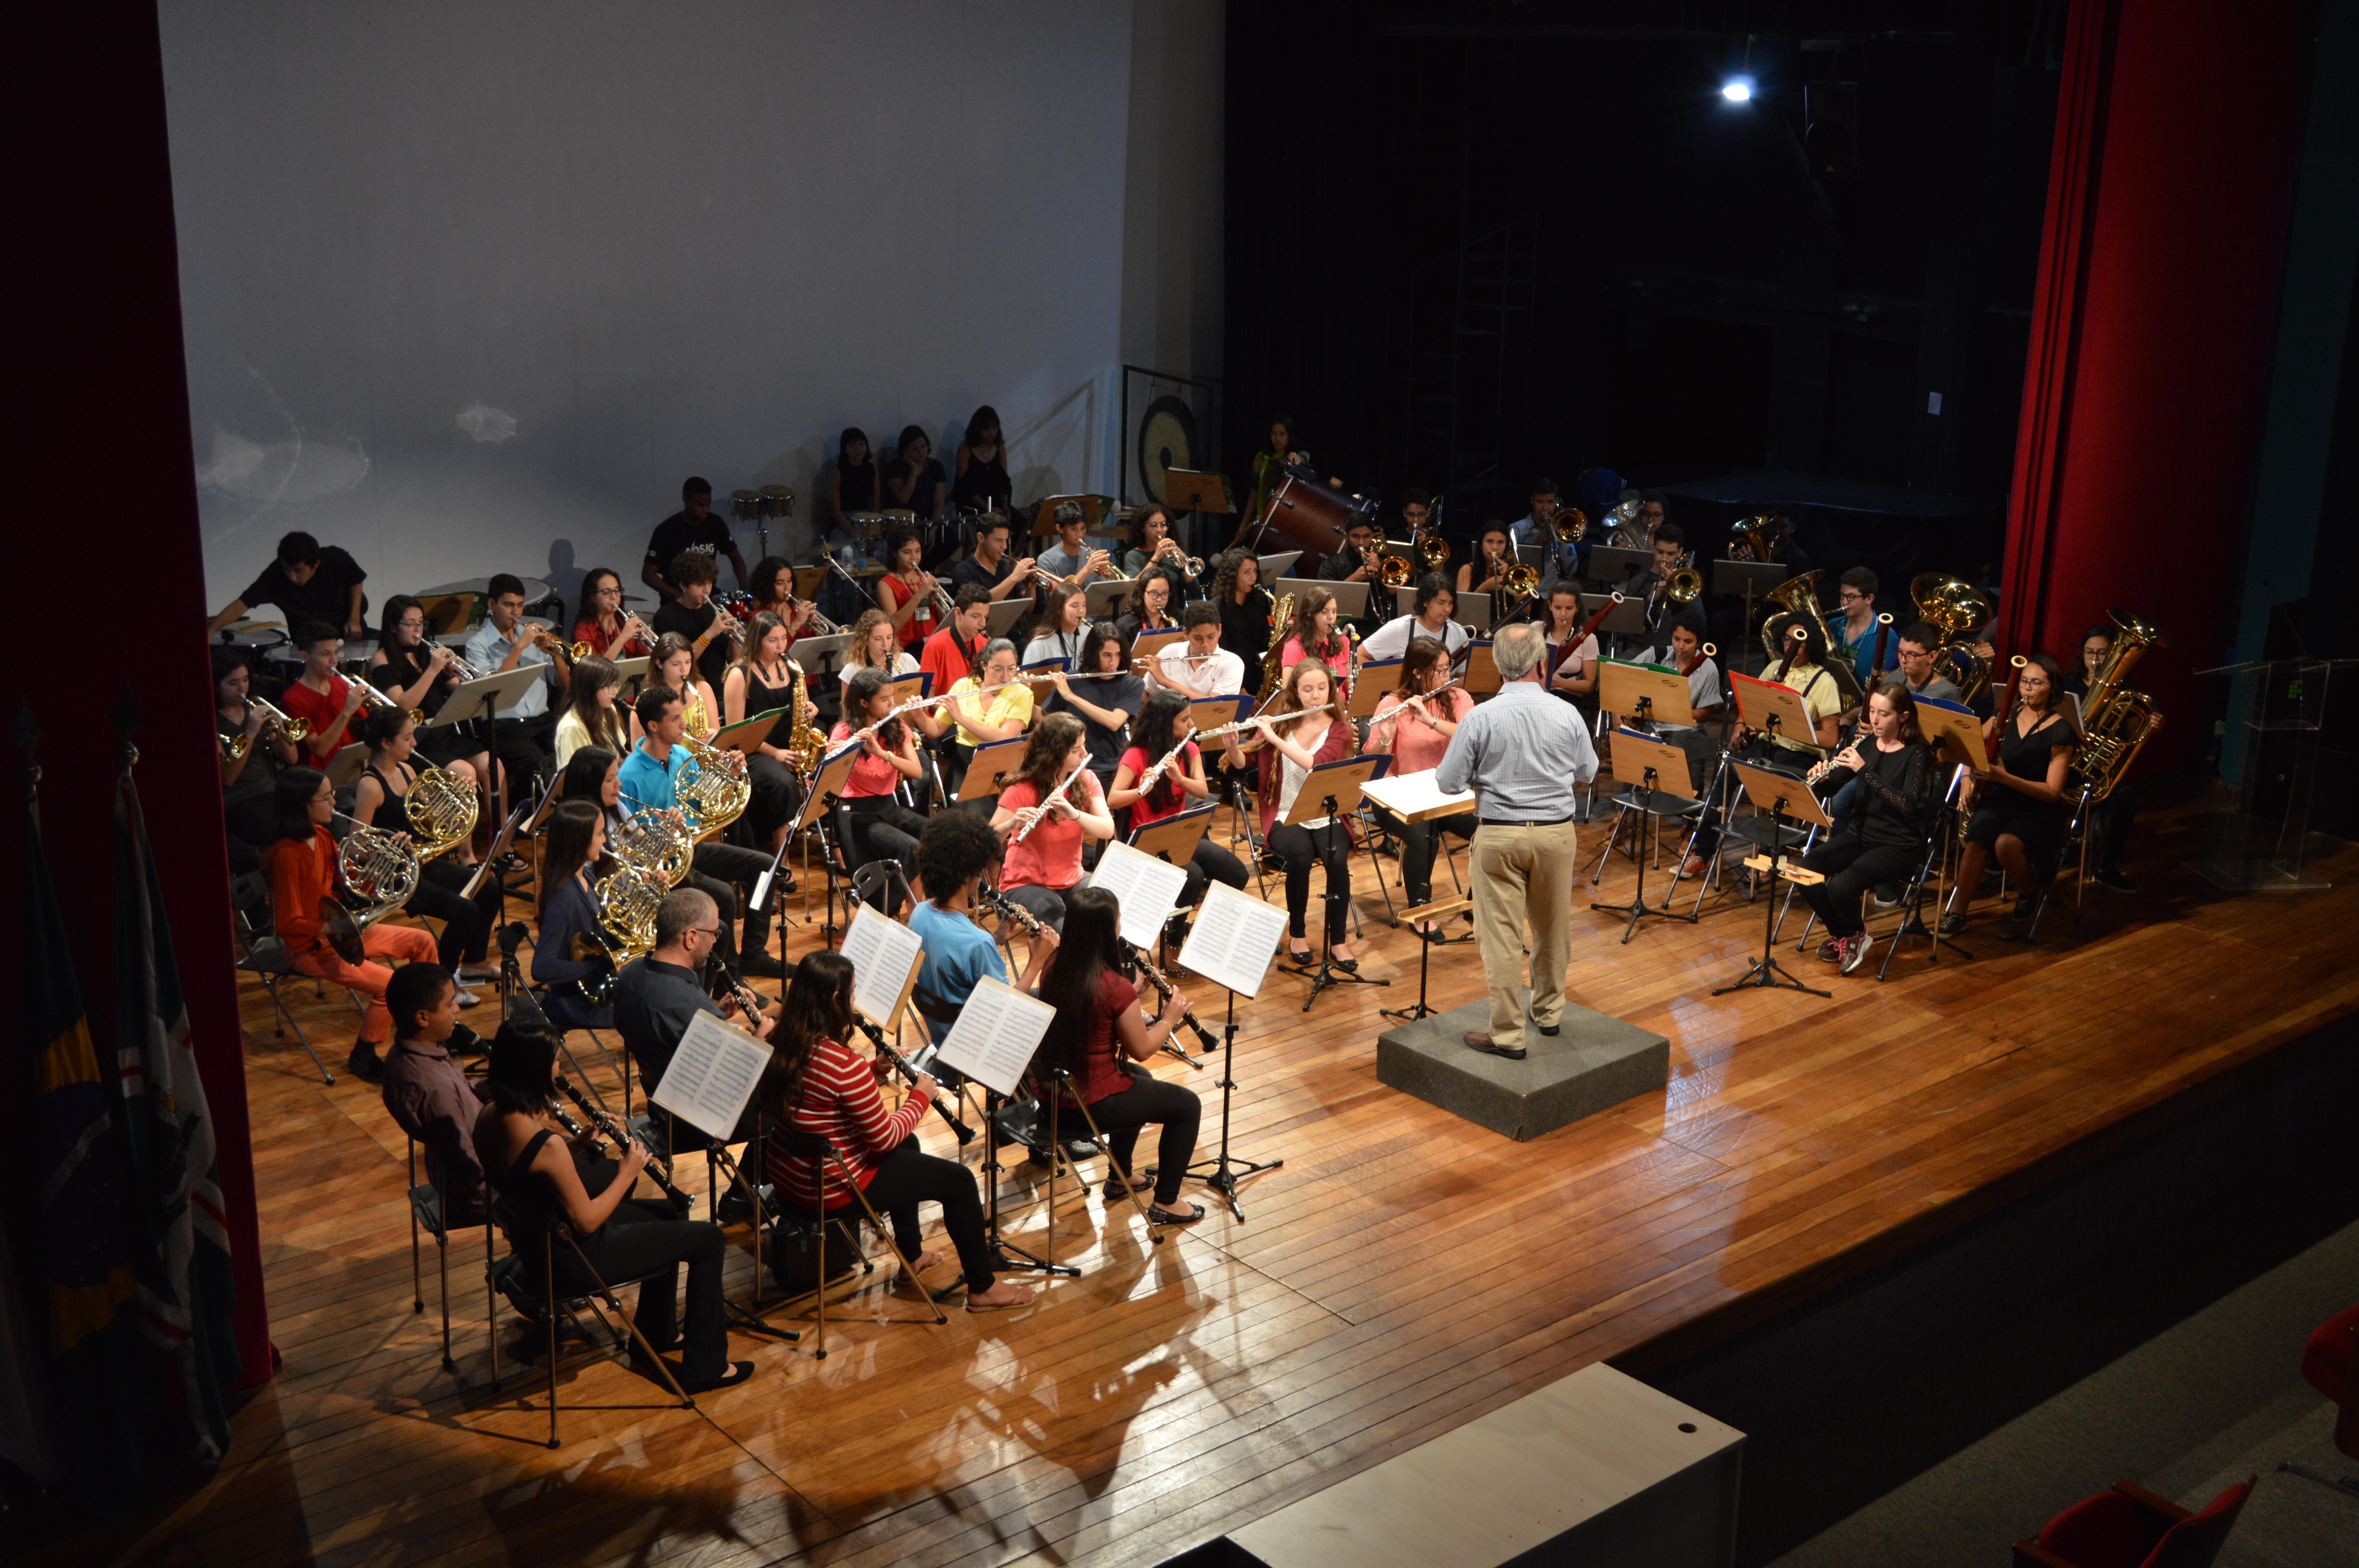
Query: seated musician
1435	604
1245	610
1150	606
914	479
1043	834
1072	556
305	581
989	567
692	530
955	653
674	666
1164	727
2109	819
955	853
1359	561
763	680
1151	543
1900	786
878	826
1855	628
773	589
249	779
709	631
381	799
1104	694
1099	1038
1005	715
1535	535
426	1093
1803	668
1413	726
416	673
1670	545
1685	652
1057	636
569	951
1487	571
1304	728
815	1083
302	860
1919	643
1316	635
1571	668
906	591
321	697
1199	666
656	995
547	1180
522	733
2020	813
610	631
650	780
591	717
596	774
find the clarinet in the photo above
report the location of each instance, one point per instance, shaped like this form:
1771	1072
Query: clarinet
941	1108
1162	984
1009	909
658	1168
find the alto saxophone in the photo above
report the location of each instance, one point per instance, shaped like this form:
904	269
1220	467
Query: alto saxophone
804	744
1281	625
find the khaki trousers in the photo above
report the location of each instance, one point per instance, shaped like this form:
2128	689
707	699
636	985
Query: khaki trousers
1524	874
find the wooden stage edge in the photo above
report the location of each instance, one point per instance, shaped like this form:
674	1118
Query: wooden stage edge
1403	1274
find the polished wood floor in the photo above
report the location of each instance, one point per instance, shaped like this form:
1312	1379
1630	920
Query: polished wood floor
1403	1272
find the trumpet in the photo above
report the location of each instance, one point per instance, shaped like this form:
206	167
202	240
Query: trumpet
1193	565
372	697
273	723
543	637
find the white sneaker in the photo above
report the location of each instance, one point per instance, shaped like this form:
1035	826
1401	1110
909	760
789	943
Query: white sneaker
467	998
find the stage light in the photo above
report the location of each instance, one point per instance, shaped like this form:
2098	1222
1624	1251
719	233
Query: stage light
1737	89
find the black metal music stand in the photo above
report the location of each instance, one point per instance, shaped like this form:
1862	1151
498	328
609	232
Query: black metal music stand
1223	1172
1655	758
1773	792
1339	784
1440	910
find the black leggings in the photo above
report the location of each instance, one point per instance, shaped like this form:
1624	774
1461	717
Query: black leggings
777	795
1120	1115
1851	866
1329	845
466	923
1210	863
651	1239
718	871
909	1176
882	829
1419	842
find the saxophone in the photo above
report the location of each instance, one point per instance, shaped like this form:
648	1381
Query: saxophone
804	744
1281	626
440	809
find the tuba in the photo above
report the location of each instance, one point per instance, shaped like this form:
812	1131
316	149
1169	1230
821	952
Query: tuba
440	809
381	870
1627	534
2115	720
1954	607
1281	626
1798	595
1748	540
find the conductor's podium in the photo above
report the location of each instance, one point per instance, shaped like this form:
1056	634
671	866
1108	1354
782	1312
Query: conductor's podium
1593	1062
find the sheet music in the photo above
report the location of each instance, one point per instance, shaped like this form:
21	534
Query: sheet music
1148	889
997	1031
884	954
711	1075
1402	794
1233	938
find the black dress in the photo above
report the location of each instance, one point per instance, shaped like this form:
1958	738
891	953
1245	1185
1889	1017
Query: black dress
449	744
2039	824
1245	631
778	793
984	486
466	923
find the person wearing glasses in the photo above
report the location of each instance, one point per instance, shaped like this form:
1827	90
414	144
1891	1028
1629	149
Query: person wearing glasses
1854	629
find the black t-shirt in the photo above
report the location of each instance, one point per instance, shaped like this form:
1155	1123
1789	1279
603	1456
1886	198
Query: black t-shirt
929	488
971	570
325	596
713	663
1121	693
680	535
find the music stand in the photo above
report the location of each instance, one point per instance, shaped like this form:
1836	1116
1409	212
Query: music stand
1775	710
1481	677
1151	644
821	656
1173	840
1376	677
1411	798
904	688
983	1047
1234	937
1274	567
1101	593
1471	610
1615	565
634	671
1187	489
1953	732
346	767
1750	581
487	696
1002	617
1350	598
1332	790
1627	619
827	781
1662	771
1776	795
748	735
1644	693
992	762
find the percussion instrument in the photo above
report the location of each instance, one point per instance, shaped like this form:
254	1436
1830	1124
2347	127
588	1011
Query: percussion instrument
745	505
1304	513
778	501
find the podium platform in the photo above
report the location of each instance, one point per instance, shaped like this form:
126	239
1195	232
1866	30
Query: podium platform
1596	1062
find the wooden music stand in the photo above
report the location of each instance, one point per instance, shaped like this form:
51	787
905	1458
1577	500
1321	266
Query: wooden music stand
1151	644
1187	490
906	689
1376	677
1643	692
1442	908
1173	840
1773	708
1953	732
1481	677
1777	795
1662	777
992	762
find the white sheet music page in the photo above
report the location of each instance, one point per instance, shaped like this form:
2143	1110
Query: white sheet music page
1402	794
1234	937
1148	889
711	1075
997	1031
884	954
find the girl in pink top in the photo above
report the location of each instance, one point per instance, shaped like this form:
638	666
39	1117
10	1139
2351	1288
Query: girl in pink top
1047	862
1414	722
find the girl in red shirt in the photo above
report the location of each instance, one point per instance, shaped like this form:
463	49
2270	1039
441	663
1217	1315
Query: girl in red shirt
611	633
1099	1038
1164	723
1047	862
1315	635
815	1083
906	592
302	874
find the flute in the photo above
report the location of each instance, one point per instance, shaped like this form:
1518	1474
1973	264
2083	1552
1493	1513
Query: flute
877	1036
658	1168
1037	814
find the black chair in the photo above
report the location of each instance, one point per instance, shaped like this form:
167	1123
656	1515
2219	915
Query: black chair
809	1231
1059	1079
266	956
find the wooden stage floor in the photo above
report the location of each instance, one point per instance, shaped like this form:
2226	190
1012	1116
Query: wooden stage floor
1405	1272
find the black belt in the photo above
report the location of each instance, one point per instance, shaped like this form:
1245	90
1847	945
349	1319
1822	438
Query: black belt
1513	822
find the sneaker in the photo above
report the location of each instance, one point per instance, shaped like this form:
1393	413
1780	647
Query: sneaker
1854	951
1694	866
364	1063
1887	894
468	998
2020	911
2115	880
1832	950
1953	923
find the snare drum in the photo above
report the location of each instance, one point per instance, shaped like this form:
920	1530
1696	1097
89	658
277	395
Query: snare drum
745	505
778	501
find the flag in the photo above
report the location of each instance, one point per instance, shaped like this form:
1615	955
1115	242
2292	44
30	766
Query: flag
186	1291
81	1236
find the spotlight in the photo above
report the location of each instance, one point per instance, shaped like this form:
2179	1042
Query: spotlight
1737	89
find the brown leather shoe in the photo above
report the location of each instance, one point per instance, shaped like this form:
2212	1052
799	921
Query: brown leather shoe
1488	1046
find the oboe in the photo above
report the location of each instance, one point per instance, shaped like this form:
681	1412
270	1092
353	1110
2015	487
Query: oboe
1164	988
658	1168
940	1102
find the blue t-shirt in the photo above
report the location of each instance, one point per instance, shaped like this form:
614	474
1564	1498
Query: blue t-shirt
958	953
650	785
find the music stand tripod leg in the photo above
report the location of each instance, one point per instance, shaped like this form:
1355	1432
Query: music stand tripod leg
1765	971
1638	909
1006	1254
1225	1172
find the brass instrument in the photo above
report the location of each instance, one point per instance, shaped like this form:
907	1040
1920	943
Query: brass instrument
1798	596
655	842
717	794
804	744
1627	534
628	899
1280	625
292	730
379	868
1685	584
1395	571
1569	523
1523	580
569	652
1193	565
1954	607
440	809
1748	538
2116	722
1434	550
372	697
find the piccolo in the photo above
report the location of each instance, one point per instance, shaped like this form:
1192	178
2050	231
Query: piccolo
658	1168
964	1133
1037	814
1164	988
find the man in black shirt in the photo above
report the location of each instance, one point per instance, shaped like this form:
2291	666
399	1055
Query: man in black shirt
306	582
1351	563
989	569
658	996
691	530
695	617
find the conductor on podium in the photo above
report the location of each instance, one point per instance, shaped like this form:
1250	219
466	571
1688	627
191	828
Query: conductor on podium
1522	753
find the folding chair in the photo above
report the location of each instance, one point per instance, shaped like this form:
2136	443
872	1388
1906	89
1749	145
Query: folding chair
2073	853
1059	1081
426	1211
266	958
812	1229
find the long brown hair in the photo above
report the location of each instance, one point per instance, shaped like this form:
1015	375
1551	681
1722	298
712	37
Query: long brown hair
1895	691
1044	751
603	725
1306	612
1288	703
767	622
818	1006
1423	655
1086	949
565	845
856	653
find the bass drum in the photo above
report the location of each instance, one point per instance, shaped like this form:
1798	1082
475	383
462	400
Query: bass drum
1307	514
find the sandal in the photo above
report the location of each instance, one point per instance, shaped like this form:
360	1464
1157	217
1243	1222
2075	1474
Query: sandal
1158	1215
1025	1296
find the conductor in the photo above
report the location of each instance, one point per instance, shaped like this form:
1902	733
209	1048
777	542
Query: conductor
1521	753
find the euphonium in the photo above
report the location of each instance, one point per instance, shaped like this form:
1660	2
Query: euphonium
440	809
1748	538
379	868
1954	607
1281	626
2115	720
1627	534
1798	595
